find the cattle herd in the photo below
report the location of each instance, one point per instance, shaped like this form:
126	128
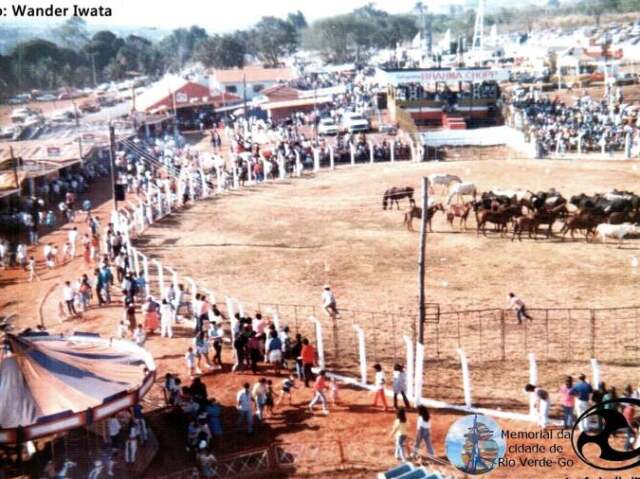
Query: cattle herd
610	215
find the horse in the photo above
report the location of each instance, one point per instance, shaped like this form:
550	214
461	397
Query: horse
442	180
459	211
499	217
461	189
582	220
394	194
416	212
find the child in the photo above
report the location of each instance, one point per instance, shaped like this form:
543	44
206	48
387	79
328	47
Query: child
379	385
31	267
333	392
122	330
190	357
269	400
287	387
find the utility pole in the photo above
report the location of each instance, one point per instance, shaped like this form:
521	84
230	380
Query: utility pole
421	259
112	157
93	67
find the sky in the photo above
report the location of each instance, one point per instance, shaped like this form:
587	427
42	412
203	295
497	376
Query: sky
217	15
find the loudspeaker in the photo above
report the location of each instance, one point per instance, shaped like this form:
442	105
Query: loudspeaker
120	192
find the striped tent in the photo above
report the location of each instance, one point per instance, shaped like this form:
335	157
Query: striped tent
51	383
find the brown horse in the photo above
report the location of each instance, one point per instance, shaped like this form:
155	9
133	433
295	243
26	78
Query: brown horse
582	220
394	194
499	217
459	211
416	212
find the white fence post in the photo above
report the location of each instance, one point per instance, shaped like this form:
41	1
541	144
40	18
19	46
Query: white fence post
466	378
136	261
316	159
236	182
319	342
371	151
282	174
393	151
362	352
533	379
595	373
145	269
332	159
219	178
417	383
276	319
414	156
408	344
193	290
240	308
230	311
249	172
158	265
352	151
298	171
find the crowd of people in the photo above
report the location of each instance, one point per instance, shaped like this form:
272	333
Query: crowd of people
590	124
577	397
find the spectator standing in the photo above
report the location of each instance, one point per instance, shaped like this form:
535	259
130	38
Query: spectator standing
423	431
139	336
260	397
244	406
68	295
399	432
308	359
582	391
379	383
399	386
166	319
73	238
31	267
568	401
190	359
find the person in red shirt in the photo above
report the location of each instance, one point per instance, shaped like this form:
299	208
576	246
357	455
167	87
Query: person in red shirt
318	392
308	358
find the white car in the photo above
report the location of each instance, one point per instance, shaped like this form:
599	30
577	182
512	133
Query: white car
47	97
354	122
327	127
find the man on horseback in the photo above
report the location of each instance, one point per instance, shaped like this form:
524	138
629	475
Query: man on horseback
329	302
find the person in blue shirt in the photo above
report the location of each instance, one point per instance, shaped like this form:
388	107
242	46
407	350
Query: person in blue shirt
582	390
274	351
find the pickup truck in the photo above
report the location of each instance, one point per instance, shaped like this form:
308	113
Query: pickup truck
354	122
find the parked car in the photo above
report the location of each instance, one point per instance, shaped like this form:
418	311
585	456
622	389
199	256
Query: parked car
387	128
46	97
327	127
626	79
354	122
89	107
19	99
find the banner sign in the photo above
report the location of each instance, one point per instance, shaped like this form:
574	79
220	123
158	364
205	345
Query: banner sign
476	75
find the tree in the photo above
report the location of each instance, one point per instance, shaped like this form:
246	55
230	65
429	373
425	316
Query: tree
72	33
103	46
298	20
221	51
179	46
274	38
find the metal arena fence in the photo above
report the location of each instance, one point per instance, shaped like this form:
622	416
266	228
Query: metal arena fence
555	334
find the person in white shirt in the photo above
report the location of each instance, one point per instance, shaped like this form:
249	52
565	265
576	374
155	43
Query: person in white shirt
244	406
190	359
73	237
260	397
31	267
121	330
166	319
423	431
399	386
519	307
48	255
541	402
216	335
139	336
379	383
329	302
21	255
68	295
113	428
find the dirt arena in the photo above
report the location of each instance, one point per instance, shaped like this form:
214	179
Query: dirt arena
280	243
